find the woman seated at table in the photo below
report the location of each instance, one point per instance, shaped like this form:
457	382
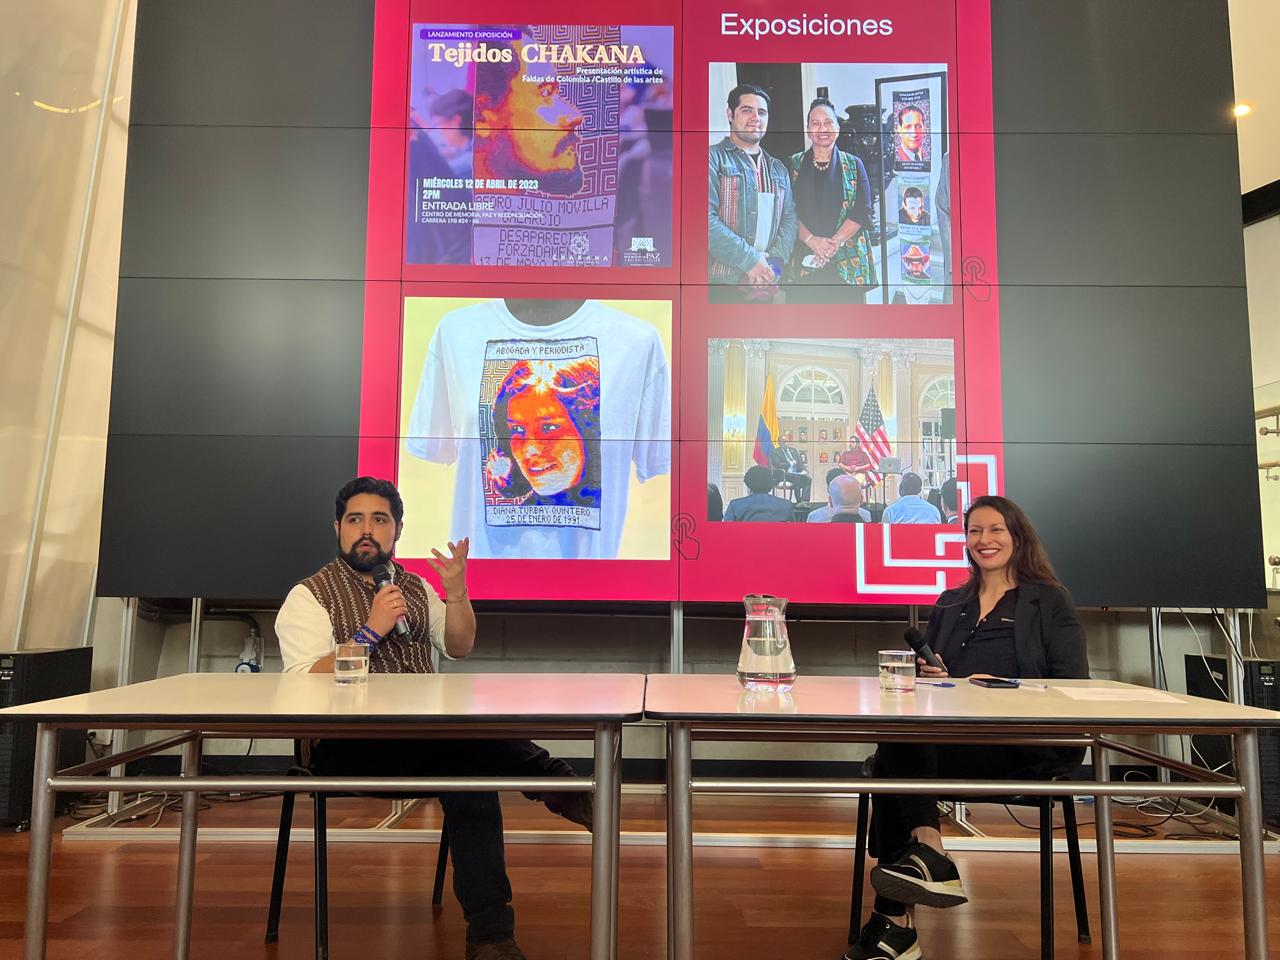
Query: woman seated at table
1012	618
832	257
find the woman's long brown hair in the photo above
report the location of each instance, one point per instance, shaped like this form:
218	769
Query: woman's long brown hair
1030	561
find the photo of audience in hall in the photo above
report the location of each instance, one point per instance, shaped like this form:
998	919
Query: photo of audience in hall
832	431
828	183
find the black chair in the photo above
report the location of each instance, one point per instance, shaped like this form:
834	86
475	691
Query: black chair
322	865
1045	805
780	482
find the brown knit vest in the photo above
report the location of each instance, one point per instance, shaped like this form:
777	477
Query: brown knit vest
349	600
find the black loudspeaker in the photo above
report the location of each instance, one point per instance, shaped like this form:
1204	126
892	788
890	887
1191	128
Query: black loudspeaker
29	676
948	423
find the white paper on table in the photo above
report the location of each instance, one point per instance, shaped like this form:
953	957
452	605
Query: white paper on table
1129	694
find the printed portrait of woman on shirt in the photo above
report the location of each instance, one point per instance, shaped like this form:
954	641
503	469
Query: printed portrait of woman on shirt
546	421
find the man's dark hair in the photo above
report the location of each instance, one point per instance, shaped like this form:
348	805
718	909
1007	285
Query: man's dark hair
948	492
745	89
910	192
833	473
910	484
759	479
493	80
450	104
715	503
909	108
379	488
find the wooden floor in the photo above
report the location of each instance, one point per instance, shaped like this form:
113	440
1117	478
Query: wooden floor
114	899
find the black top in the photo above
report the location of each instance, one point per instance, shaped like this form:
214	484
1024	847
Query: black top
984	644
819	194
1047	639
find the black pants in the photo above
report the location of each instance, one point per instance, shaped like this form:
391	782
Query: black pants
802	483
474	819
894	816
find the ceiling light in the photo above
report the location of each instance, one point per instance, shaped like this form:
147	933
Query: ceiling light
1242	109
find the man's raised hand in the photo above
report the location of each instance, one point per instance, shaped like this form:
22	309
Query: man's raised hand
452	569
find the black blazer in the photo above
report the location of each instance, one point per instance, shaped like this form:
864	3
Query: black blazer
1047	637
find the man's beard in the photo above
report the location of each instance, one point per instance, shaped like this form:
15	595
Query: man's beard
363	562
556	183
560	183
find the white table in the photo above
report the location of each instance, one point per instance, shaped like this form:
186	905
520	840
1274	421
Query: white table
582	706
852	709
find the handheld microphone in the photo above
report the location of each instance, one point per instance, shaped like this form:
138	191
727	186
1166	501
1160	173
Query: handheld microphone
382	577
915	640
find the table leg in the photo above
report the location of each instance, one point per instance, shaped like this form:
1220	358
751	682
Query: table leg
670	851
680	837
1106	857
187	853
42	803
1252	871
603	864
617	841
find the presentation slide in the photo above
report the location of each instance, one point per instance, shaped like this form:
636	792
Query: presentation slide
853	219
610	403
820	453
545	146
546	424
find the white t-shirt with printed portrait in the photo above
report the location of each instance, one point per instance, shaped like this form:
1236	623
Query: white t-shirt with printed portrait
634	422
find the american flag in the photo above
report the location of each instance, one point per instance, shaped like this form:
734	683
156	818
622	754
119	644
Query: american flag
870	430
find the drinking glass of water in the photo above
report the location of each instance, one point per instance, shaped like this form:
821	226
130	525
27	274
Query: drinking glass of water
351	663
897	671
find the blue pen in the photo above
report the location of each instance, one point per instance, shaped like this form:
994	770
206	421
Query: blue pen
935	683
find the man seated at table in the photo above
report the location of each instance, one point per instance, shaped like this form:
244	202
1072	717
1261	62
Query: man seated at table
341	602
791	468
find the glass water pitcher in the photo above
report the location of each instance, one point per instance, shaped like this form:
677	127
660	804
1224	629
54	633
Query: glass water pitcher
765	662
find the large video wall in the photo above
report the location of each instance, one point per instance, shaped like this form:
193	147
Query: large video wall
660	277
639	297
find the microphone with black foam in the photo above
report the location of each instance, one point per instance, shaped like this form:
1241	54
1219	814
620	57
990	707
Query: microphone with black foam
915	640
381	578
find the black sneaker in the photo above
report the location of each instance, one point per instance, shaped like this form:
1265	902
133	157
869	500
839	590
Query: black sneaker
882	939
577	808
921	875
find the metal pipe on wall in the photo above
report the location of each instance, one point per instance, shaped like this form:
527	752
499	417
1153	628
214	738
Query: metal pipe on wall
677	637
90	610
197	627
124	673
1235	656
1159	679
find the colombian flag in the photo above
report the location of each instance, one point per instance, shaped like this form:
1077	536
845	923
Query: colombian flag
766	426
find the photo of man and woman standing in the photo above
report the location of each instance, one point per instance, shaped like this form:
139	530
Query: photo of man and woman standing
847	200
